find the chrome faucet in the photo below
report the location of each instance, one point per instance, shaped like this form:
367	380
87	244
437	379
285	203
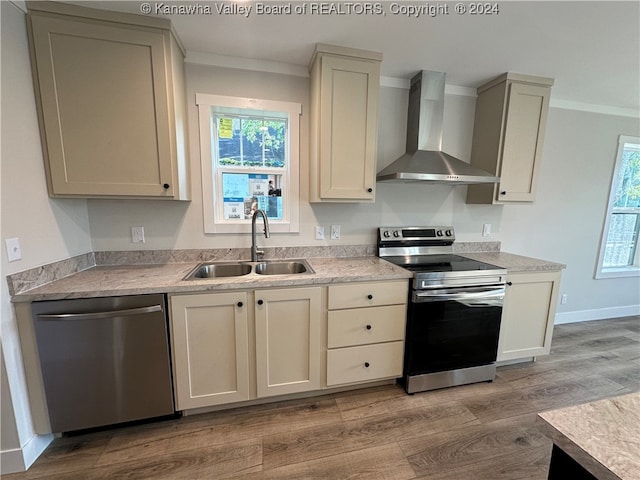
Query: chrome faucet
254	247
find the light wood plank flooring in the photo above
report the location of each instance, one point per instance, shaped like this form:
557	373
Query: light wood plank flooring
480	431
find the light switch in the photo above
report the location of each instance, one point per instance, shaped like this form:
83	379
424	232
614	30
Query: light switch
486	229
319	232
137	234
13	249
335	232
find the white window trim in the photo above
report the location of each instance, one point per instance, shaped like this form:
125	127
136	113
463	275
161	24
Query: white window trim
291	222
616	272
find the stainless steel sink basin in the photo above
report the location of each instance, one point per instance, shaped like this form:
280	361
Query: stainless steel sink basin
283	267
218	270
240	268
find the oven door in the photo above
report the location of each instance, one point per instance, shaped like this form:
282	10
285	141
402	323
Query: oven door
453	328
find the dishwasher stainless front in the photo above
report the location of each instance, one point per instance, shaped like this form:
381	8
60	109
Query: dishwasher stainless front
104	360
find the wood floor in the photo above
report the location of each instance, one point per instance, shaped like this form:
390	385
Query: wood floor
481	431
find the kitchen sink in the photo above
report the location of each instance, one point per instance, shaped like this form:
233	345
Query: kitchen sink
218	270
282	268
238	269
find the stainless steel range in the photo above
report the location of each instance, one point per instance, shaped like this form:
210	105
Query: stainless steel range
454	311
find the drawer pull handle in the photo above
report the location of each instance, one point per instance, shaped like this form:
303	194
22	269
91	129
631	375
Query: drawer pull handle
260	302
366	364
370	297
368	327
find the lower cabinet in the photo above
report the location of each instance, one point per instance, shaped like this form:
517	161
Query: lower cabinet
212	344
288	342
528	314
365	343
236	346
210	348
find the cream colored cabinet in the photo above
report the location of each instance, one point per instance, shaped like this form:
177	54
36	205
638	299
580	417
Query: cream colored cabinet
365	331
210	348
508	136
231	347
528	314
345	86
288	341
111	101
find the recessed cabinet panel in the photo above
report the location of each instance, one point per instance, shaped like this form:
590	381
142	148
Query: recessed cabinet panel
528	315
345	86
210	349
107	96
522	142
287	341
508	136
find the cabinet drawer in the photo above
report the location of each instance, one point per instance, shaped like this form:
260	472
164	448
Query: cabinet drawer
367	294
362	326
349	365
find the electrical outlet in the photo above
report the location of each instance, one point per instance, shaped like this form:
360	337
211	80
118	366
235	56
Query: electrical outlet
335	232
14	253
563	298
137	234
486	229
319	232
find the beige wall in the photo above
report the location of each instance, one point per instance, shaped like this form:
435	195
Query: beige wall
563	225
49	230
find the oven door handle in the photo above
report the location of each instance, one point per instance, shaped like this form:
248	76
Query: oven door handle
468	297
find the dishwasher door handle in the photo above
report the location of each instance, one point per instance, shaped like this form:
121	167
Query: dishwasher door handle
100	315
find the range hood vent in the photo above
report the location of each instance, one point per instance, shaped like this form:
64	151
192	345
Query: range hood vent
425	161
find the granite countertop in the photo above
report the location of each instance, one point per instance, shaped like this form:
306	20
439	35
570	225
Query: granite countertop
162	271
515	263
111	280
602	436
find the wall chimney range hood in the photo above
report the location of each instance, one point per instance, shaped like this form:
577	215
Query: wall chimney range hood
424	160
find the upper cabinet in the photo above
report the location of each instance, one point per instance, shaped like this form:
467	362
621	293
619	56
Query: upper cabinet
508	134
345	85
111	101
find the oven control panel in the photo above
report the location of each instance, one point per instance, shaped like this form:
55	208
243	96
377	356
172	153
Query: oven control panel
417	233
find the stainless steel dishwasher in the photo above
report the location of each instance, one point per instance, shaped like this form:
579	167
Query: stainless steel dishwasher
104	360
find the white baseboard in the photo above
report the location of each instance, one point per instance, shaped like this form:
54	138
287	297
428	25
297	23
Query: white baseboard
20	459
596	314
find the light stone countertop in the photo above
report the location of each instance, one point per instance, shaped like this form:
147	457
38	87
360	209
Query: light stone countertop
514	263
162	271
602	436
101	281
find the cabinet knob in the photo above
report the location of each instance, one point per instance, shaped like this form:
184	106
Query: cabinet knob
260	302
503	192
239	304
166	186
366	364
370	297
368	327
509	283
369	189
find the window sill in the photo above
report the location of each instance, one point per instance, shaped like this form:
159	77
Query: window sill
618	272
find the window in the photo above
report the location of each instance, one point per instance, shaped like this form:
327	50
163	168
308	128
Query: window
619	245
249	154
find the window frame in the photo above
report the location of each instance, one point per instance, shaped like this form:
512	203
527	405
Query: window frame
208	105
632	270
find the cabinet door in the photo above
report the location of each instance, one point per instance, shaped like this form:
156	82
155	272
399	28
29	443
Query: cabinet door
209	340
348	128
528	315
525	123
288	340
104	107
